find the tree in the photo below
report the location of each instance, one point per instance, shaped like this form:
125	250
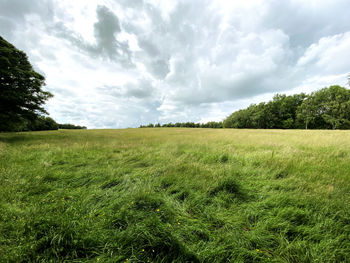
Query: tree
76	127
21	94
335	102
43	123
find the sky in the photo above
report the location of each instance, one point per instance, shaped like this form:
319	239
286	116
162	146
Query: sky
123	63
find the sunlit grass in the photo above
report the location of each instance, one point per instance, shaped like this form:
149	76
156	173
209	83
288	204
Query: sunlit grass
175	195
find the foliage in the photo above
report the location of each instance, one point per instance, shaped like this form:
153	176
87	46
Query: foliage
328	108
175	195
70	126
46	123
21	96
335	105
211	124
42	123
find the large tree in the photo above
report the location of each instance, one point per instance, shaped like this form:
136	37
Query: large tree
21	94
335	106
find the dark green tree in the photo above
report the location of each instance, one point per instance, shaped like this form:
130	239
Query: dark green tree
43	123
328	108
334	105
21	94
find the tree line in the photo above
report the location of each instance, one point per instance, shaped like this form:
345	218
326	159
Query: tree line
21	94
327	108
211	124
44	123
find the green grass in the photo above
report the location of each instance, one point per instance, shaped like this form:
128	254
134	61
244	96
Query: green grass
175	195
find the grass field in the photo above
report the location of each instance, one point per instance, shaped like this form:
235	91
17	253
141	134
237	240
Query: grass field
175	195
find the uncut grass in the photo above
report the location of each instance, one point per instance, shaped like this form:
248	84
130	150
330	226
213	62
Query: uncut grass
175	195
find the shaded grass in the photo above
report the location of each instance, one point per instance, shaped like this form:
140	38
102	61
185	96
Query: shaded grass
175	195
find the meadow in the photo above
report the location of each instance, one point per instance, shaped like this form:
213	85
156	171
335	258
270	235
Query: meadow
175	195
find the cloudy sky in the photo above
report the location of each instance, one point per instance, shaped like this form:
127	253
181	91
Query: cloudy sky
122	63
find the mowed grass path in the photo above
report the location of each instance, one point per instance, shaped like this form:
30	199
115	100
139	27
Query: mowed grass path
175	195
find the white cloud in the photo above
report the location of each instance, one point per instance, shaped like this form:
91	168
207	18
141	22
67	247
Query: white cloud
327	55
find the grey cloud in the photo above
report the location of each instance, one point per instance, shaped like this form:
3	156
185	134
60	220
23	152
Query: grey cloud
105	30
115	91
217	90
131	3
156	60
13	14
159	68
140	89
8	27
147	46
60	91
17	8
60	30
306	23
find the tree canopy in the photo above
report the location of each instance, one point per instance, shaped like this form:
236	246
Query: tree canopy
327	108
21	97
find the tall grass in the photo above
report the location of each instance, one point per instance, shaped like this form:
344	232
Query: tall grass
175	195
